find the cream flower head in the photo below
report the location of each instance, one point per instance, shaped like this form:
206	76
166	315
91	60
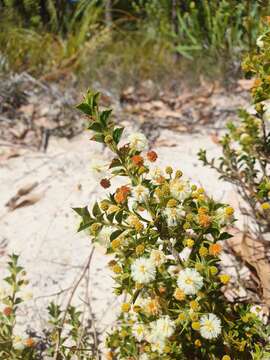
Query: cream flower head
138	141
180	189
139	331
158	257
99	168
143	270
210	326
140	193
104	235
190	281
156	175
173	215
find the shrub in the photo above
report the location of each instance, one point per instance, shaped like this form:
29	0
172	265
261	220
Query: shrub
66	336
246	145
166	236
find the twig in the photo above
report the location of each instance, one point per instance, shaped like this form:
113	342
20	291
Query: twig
57	347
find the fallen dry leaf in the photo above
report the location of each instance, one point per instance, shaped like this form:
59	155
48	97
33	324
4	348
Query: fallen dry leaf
11	153
254	253
21	199
28	109
29	199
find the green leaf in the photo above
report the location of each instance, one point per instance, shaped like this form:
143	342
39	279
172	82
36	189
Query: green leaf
115	163
98	138
119	217
96	210
224	236
95	126
104	117
85	108
115	234
117	133
86	218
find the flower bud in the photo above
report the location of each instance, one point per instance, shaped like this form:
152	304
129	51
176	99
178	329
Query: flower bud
178	174
104	205
108	139
197	343
139	249
94	228
169	170
213	270
117	269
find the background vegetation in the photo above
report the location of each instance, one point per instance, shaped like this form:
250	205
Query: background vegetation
127	40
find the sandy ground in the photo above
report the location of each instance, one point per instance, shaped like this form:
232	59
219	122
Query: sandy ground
44	234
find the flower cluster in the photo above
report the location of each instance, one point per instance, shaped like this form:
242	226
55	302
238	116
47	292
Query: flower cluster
166	236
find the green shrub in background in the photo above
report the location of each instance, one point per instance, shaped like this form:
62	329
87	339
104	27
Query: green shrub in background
246	145
207	35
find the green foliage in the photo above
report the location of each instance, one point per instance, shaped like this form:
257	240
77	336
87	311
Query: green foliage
166	236
139	42
67	330
246	146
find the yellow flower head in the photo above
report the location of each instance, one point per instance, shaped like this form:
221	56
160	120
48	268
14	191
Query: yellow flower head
195	325
116	269
140	249
194	305
229	211
203	251
224	278
189	243
226	357
125	307
200	191
116	243
171	203
265	206
182	317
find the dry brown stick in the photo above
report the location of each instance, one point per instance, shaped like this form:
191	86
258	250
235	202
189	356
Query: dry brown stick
88	301
69	302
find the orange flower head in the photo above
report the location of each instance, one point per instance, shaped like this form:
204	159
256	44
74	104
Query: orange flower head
205	220
215	249
122	194
152	156
29	342
137	160
7	311
152	307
